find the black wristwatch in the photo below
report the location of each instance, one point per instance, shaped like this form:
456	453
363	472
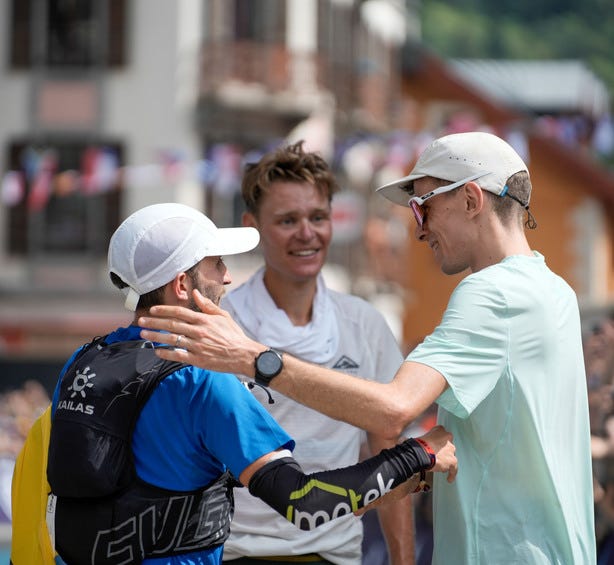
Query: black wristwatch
268	365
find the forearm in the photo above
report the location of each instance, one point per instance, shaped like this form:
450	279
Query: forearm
397	523
366	404
311	500
383	409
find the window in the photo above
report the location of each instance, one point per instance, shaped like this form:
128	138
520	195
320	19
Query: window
73	217
68	33
261	21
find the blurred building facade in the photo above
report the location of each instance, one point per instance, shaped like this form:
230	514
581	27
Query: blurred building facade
84	88
110	105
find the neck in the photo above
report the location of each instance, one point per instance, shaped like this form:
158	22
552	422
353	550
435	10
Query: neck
295	298
497	243
138	313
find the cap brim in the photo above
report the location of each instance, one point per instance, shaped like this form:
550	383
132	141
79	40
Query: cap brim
399	191
230	241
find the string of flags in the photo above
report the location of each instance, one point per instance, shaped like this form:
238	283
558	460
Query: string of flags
40	178
360	160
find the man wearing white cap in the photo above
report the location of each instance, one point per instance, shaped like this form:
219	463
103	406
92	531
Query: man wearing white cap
143	453
505	366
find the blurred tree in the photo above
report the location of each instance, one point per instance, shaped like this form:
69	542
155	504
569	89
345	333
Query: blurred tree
523	29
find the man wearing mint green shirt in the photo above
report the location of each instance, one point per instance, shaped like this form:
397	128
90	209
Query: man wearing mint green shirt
523	494
505	366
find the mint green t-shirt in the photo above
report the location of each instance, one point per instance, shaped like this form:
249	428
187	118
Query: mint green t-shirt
509	346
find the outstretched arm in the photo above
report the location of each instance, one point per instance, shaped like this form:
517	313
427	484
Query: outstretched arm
212	340
311	500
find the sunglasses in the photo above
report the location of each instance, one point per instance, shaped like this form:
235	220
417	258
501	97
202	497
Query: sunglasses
416	202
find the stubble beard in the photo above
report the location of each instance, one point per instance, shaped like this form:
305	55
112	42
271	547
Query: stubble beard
208	291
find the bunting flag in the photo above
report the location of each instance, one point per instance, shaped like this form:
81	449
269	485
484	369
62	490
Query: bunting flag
66	183
40	189
99	170
172	164
12	189
30	161
226	159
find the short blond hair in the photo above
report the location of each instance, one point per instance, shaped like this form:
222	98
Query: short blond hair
290	163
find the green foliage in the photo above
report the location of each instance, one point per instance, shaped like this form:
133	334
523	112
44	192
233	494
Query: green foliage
523	29
454	32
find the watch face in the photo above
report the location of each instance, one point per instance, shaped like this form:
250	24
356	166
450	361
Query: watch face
269	363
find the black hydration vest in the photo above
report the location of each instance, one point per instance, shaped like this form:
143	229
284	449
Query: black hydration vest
104	512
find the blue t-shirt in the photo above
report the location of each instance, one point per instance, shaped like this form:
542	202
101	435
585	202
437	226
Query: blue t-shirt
195	425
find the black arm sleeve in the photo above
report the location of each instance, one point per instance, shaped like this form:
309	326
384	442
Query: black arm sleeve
311	500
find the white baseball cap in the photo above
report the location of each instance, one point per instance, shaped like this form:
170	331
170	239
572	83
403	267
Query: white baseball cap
470	155
156	243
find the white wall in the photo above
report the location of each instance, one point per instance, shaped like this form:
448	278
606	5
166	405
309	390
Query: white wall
593	249
150	105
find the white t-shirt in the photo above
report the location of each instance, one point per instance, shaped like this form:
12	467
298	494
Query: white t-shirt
365	346
509	346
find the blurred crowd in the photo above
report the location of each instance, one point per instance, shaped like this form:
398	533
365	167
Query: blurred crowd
20	407
18	410
599	360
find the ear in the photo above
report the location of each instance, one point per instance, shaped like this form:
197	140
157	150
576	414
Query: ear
249	220
180	288
474	199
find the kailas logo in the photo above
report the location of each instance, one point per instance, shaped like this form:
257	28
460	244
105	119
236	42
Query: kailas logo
345	363
81	382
